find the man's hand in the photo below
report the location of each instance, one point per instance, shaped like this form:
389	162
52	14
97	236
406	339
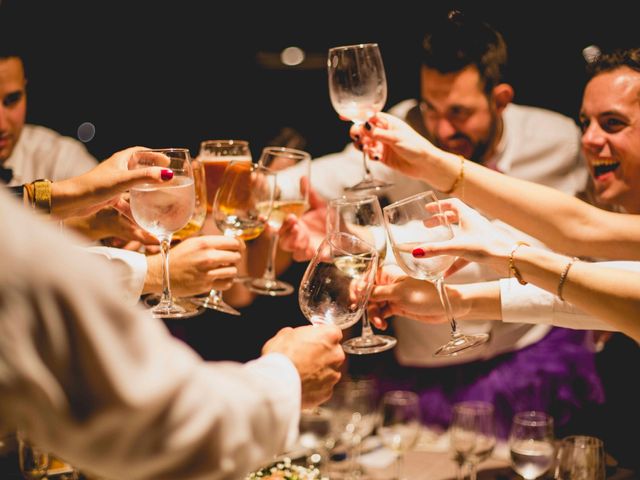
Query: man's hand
317	355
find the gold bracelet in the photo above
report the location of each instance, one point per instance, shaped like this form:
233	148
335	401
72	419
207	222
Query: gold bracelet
563	276
29	194
512	264
42	194
459	179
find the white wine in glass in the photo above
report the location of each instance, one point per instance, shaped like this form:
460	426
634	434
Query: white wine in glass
531	443
358	90
410	223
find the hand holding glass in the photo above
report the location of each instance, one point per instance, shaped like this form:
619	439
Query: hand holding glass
414	221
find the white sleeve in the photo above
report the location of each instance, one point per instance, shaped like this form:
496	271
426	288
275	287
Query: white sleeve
530	304
131	269
105	386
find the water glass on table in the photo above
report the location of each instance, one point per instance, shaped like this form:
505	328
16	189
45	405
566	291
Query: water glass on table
532	444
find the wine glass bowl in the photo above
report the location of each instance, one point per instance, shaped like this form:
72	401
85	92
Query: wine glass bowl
419	220
287	201
362	216
472	434
531	444
358	90
336	284
163	209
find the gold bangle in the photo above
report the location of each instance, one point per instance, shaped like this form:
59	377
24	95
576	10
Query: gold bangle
42	194
459	179
29	195
512	265
563	276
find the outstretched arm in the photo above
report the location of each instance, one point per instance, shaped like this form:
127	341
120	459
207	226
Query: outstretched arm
561	221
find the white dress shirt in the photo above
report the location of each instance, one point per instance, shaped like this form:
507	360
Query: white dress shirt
105	386
44	153
537	145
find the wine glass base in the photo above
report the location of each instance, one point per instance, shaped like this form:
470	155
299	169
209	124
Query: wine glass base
215	304
371	184
273	288
369	344
461	343
180	307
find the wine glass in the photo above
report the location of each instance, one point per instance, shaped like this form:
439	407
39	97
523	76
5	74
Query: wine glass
288	200
400	424
531	443
472	435
163	209
190	229
581	458
358	90
362	217
215	155
32	461
335	287
410	222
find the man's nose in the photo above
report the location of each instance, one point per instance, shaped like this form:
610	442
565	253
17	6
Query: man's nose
444	128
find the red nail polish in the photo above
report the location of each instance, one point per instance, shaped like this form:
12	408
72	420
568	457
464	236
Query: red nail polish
166	174
418	252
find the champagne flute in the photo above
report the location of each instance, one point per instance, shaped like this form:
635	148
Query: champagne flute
190	229
531	443
410	222
472	435
163	209
215	155
288	200
336	284
358	90
362	217
400	424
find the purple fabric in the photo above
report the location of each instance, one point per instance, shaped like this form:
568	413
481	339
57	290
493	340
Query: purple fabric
556	375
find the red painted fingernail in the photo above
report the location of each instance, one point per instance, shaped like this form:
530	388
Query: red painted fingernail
418	252
166	174
367	125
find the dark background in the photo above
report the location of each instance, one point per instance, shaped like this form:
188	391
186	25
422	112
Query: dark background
174	73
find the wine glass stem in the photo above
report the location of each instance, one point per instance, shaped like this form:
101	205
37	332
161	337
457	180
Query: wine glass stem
472	471
367	172
444	298
399	466
367	332
165	244
269	269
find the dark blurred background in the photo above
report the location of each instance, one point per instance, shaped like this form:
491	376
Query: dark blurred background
174	73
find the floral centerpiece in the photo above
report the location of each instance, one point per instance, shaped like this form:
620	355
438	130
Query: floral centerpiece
285	470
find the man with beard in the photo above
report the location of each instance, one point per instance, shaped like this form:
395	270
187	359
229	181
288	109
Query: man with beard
465	108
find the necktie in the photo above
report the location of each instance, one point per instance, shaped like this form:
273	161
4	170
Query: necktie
6	174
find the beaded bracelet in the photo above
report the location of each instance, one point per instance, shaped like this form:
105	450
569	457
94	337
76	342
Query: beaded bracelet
512	264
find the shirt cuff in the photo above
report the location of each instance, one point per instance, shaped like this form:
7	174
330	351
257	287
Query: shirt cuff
130	266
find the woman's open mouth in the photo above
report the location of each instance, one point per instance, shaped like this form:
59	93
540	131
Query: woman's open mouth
602	167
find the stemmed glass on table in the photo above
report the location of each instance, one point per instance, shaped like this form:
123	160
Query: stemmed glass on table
362	217
414	221
400	424
162	210
190	229
287	201
358	90
472	435
581	457
337	282
531	444
215	155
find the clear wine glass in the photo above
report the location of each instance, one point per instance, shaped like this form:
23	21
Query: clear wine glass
336	285
400	424
472	435
410	223
163	209
531	444
358	90
215	155
32	461
288	200
581	458
362	217
190	229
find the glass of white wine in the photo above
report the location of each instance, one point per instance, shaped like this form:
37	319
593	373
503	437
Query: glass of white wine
163	209
337	282
362	216
358	90
414	221
288	200
472	435
531	444
400	424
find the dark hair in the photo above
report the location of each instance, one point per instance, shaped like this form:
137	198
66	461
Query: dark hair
460	41
605	62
